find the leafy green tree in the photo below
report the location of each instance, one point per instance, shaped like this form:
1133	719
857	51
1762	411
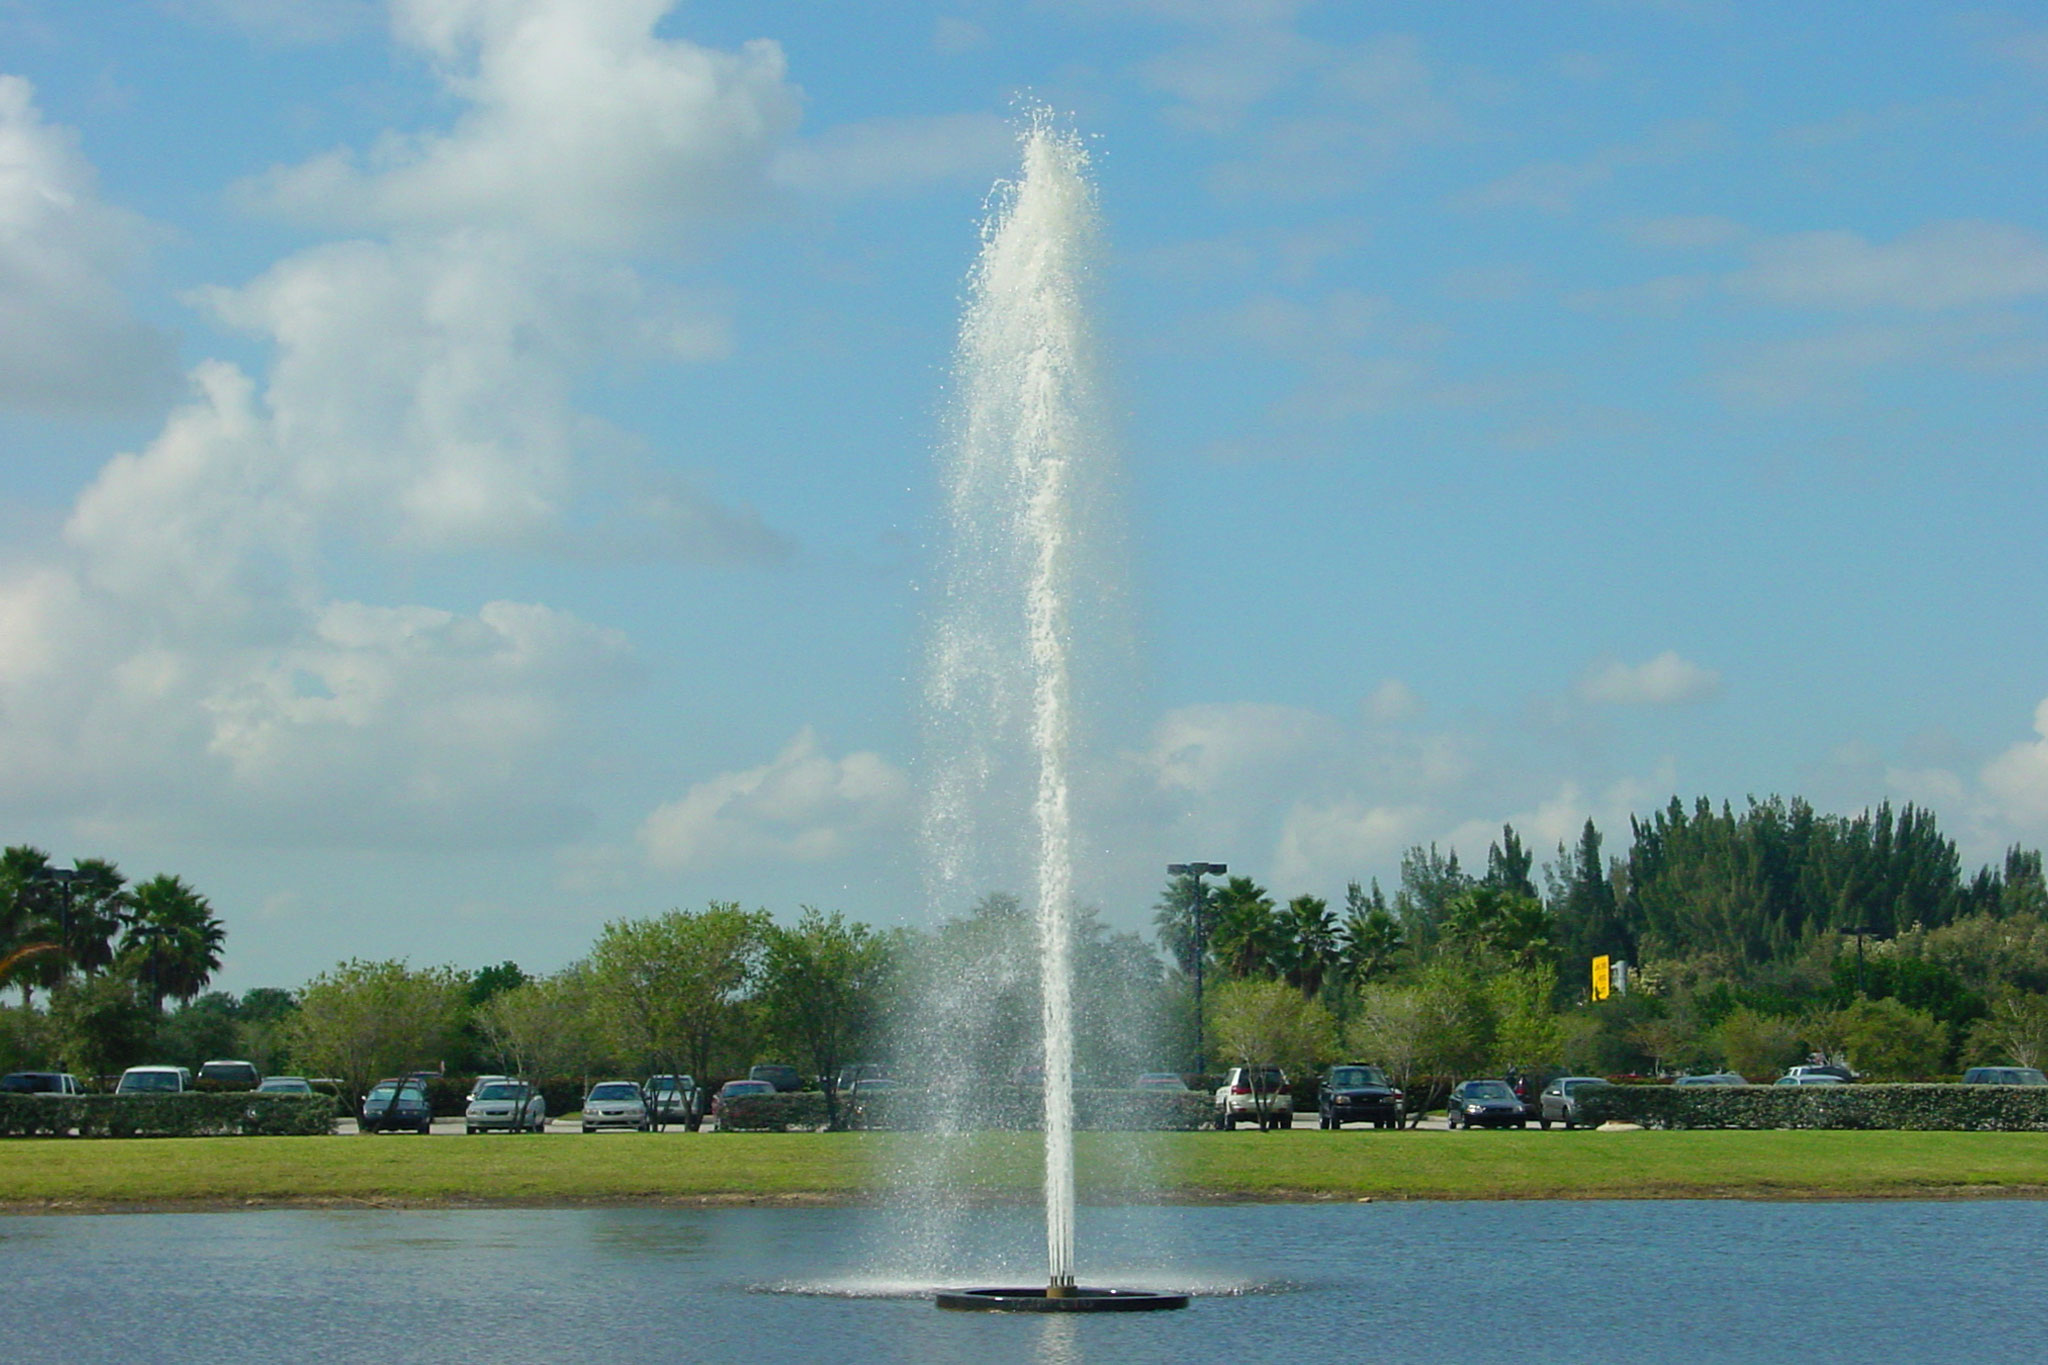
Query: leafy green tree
1371	941
2014	1032
1508	864
363	1020
1430	881
173	942
1887	1040
1262	1023
541	1028
199	1031
1759	1046
672	990
486	982
1582	900
1528	1034
102	1023
821	992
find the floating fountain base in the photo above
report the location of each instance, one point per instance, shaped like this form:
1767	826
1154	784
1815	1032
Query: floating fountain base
1075	1300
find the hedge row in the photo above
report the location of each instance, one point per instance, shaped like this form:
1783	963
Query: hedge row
1023	1108
193	1114
1959	1108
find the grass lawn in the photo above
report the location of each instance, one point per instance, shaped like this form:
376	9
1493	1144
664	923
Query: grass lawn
59	1174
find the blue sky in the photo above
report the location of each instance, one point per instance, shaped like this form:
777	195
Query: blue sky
468	467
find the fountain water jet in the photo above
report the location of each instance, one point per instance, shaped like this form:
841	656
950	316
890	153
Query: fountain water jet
1002	667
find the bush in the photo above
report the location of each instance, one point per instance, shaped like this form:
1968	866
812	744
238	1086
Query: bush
192	1114
1016	1107
1962	1108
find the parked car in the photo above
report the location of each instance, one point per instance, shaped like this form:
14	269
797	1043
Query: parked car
1558	1102
673	1099
153	1080
777	1075
476	1086
1358	1094
284	1085
1255	1094
40	1083
1810	1078
511	1106
1713	1078
732	1090
231	1075
854	1072
615	1104
1161	1080
1835	1069
2004	1075
1484	1104
397	1103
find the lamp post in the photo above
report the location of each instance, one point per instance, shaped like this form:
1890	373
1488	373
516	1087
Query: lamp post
1859	930
63	877
1199	923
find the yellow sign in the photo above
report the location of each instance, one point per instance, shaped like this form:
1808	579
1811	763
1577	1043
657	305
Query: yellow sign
1602	980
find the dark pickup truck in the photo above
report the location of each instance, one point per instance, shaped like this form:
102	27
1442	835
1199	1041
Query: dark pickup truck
1359	1094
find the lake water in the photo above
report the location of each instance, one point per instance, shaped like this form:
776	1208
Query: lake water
1627	1281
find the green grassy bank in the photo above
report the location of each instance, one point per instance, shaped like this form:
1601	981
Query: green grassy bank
59	1174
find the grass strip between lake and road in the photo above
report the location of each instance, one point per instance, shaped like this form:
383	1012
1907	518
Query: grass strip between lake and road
58	1175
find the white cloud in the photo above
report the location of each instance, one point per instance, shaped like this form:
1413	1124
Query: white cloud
805	805
1666	680
1555	187
582	126
2017	779
1392	702
68	342
1939	266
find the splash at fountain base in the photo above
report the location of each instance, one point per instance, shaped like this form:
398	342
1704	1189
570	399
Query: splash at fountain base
1060	1299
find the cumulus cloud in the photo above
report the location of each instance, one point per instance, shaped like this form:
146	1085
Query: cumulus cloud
1939	266
805	805
2017	780
581	124
1666	680
68	341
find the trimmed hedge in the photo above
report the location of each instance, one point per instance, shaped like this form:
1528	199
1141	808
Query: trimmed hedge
1016	1107
192	1114
1928	1108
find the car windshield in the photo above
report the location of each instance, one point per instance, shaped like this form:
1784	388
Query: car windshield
285	1085
1574	1087
1489	1090
1357	1075
2006	1075
748	1088
383	1090
149	1080
615	1090
500	1090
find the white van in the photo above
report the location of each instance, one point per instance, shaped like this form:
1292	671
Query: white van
154	1080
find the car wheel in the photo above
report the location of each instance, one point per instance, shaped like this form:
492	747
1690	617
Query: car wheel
589	1128
1544	1124
469	1129
1451	1118
1228	1123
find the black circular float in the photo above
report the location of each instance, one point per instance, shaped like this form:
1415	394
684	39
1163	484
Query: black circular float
1079	1299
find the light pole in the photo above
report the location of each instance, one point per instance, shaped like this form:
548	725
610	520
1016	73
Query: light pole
1859	930
1198	922
62	877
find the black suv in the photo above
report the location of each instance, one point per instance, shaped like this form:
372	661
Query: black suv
1358	1094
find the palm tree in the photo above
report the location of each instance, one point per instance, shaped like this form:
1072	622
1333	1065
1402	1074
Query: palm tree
173	942
1248	936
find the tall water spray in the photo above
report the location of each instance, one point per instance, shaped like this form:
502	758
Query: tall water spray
1025	448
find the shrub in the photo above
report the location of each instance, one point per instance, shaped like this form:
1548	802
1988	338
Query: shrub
1016	1107
192	1114
1965	1108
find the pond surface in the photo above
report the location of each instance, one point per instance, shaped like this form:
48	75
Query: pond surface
1635	1281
